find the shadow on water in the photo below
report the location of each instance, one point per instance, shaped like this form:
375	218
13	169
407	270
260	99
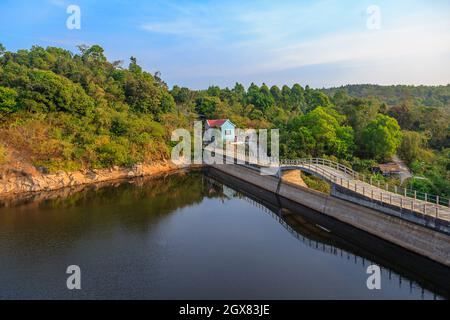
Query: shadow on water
329	235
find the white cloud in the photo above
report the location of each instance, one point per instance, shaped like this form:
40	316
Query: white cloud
182	28
416	43
411	47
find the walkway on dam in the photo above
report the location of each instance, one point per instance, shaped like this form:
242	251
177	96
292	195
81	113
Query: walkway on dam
351	180
396	198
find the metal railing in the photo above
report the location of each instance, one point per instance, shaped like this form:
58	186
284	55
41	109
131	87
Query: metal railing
402	198
324	162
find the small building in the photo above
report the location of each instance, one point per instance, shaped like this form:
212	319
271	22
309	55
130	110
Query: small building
227	128
388	169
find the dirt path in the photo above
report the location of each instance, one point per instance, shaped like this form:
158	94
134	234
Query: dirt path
405	172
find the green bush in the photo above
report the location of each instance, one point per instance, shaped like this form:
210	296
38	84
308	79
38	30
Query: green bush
316	183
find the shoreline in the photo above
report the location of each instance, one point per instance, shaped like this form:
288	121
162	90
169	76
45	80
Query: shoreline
22	183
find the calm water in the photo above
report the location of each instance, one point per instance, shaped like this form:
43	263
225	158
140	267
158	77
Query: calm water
191	236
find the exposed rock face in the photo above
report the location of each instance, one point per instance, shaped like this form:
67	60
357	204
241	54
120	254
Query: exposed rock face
21	181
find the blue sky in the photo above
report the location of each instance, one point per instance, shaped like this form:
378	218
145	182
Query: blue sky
201	43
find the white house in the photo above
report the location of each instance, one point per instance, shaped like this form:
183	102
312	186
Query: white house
226	127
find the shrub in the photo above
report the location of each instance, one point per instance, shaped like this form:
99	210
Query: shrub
316	183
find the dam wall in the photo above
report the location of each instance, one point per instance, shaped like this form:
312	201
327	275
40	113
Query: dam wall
411	236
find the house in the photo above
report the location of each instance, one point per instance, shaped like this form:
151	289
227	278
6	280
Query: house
388	169
227	128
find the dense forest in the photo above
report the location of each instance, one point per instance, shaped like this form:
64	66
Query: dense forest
65	111
69	111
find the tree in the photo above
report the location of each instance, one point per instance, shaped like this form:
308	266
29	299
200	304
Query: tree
94	53
134	67
276	93
436	121
328	135
159	81
381	137
52	92
214	91
268	100
141	92
260	98
167	102
8	103
286	97
403	114
207	106
316	99
2	50
359	112
412	145
181	95
297	98
239	92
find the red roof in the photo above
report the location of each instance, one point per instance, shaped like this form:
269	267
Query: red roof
216	123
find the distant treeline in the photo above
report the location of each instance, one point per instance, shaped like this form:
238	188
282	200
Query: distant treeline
429	96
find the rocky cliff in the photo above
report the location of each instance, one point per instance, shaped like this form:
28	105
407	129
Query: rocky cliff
22	181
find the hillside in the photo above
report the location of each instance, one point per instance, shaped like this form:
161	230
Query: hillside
65	111
68	111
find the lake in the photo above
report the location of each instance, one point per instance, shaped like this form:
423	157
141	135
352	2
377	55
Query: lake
196	235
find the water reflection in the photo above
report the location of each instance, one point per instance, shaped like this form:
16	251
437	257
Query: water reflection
194	235
319	238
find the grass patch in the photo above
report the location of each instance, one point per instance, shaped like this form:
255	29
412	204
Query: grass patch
316	183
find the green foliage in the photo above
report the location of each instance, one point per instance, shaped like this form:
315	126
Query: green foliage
316	183
316	99
359	112
167	102
208	106
423	109
142	94
432	172
381	137
423	185
8	103
261	98
412	146
320	133
66	111
363	165
429	96
51	92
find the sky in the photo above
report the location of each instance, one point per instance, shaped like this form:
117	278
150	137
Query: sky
196	44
